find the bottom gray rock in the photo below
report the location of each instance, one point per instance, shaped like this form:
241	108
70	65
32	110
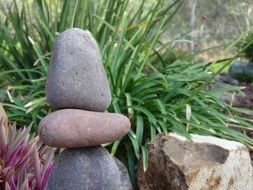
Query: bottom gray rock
90	168
124	176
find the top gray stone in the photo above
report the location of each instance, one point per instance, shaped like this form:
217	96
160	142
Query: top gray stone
76	76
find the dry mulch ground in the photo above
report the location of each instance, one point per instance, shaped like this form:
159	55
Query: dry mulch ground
246	101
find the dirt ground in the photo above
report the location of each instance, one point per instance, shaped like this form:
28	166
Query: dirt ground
246	101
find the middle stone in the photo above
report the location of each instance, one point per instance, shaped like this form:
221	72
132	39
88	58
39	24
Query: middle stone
70	128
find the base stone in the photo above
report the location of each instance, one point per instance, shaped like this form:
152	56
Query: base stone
90	168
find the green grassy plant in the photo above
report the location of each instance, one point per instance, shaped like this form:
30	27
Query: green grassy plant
245	46
158	93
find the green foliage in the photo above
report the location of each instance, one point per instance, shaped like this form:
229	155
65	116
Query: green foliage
242	71
245	46
158	93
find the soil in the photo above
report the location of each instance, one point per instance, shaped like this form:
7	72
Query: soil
246	101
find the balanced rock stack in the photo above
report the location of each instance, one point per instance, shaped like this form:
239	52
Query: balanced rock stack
78	88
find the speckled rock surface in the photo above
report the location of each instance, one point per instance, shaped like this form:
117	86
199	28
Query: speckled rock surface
206	163
71	128
125	182
91	168
76	77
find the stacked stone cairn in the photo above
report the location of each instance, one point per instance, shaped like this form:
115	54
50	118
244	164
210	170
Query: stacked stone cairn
77	87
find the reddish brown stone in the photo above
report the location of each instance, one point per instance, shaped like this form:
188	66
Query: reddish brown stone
70	128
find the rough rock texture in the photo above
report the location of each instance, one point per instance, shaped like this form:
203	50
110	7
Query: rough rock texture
124	176
207	163
71	128
76	76
225	78
91	168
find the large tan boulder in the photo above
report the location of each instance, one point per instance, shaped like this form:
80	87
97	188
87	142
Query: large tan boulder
205	163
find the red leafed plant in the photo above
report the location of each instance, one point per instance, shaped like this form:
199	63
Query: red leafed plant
25	163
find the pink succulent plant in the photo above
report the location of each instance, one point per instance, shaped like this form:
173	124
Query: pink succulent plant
25	163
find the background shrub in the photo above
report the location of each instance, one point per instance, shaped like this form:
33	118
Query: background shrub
242	71
244	46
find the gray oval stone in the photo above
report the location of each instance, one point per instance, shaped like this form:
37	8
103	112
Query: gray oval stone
76	77
91	168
